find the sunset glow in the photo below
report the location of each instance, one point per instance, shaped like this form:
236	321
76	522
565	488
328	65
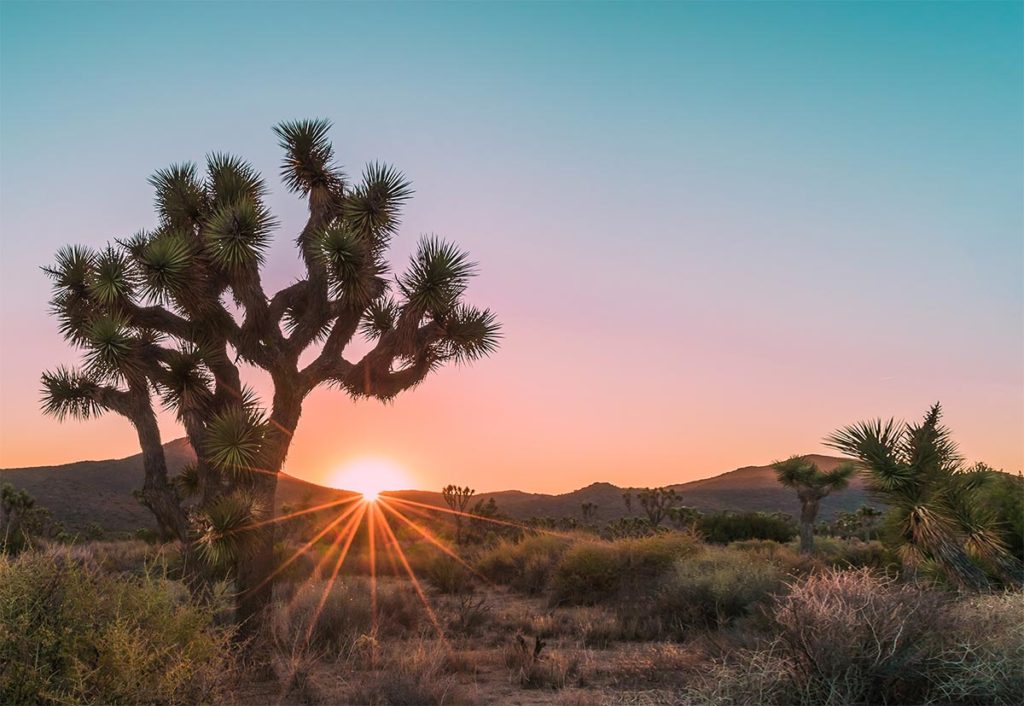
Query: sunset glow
370	477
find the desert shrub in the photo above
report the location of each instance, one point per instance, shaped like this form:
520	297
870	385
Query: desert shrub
70	633
711	589
447	575
726	527
598	571
981	661
525	565
465	614
412	674
347	614
855	554
532	668
858	637
590	572
128	556
855	636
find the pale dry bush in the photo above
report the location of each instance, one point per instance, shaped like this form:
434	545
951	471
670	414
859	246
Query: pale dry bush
856	637
531	666
346	619
409	673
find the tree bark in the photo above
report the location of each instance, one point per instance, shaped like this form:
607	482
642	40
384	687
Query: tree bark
254	581
808	515
157	493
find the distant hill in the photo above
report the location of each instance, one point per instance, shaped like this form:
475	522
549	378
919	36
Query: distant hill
101	492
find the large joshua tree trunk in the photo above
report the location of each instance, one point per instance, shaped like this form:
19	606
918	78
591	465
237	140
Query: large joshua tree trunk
254	578
157	493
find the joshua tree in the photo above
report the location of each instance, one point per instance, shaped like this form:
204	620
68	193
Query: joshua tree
685	518
457	498
916	469
176	310
656	503
811	484
627	498
588	509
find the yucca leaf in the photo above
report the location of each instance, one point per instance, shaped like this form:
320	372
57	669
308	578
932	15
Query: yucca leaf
379	318
112	349
351	264
470	333
437	276
238	233
165	261
111	278
187	481
373	209
230	179
222	530
234	440
180	198
71	268
69	393
309	156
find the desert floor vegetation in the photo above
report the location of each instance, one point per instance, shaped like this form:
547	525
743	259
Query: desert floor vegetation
538	619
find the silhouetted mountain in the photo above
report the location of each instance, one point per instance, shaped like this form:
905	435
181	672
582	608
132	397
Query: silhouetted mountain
101	492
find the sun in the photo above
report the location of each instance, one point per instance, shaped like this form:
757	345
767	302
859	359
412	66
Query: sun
370	477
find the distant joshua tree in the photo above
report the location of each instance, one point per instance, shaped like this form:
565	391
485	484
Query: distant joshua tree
627	498
457	498
939	509
588	509
179	309
656	503
811	484
684	518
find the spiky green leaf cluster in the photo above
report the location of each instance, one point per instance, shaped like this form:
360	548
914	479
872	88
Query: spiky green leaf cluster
917	470
469	334
112	348
181	200
351	264
802	472
165	262
373	208
309	157
69	393
237	234
437	277
223	529
234	440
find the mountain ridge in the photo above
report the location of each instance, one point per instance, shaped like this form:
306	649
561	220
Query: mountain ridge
100	491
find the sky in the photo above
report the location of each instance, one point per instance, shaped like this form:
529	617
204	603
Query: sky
713	232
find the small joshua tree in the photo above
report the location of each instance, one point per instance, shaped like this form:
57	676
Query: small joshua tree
176	310
588	509
811	484
457	498
627	498
684	518
656	503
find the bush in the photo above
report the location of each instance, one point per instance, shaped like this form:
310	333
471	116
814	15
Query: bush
72	634
855	554
588	573
448	575
347	614
726	527
712	589
525	565
597	571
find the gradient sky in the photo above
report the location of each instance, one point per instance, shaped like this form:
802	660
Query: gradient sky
713	232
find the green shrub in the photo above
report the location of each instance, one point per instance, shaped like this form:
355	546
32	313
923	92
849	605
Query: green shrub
855	554
726	527
599	571
525	565
448	575
713	588
590	572
70	633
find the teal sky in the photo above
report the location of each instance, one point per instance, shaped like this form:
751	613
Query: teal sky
714	231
